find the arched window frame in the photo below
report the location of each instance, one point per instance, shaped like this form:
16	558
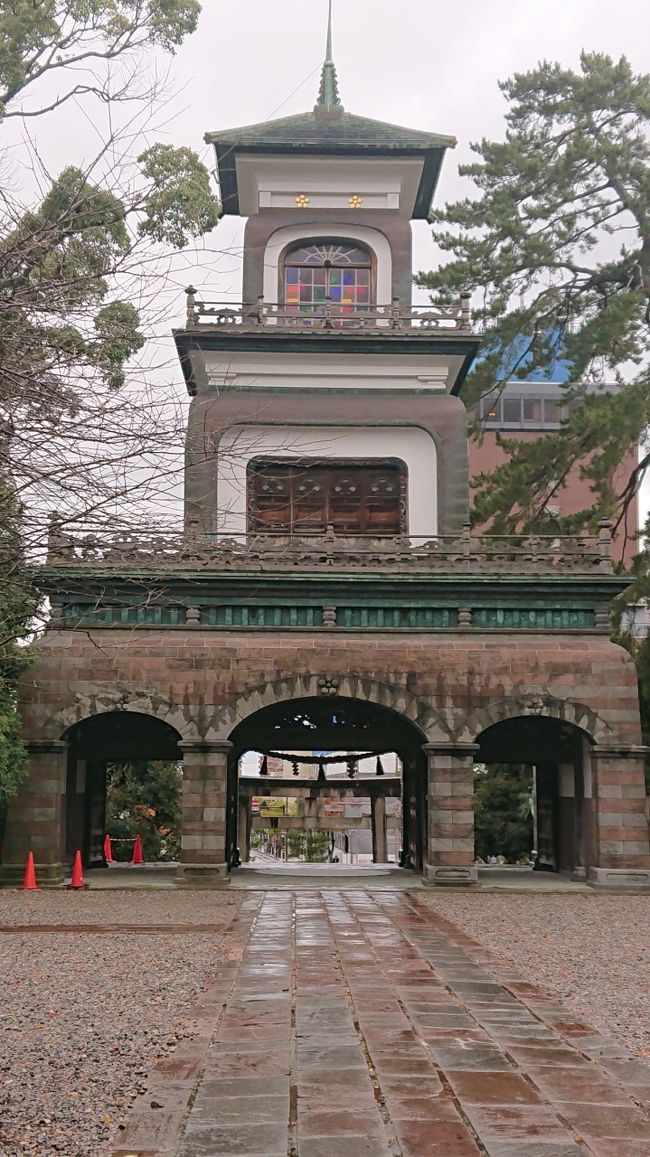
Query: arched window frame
346	242
373	240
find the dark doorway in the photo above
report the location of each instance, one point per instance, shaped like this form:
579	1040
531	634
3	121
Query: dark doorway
113	737
553	751
332	723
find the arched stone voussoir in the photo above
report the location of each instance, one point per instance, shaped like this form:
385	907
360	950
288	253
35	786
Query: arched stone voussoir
350	686
539	704
138	701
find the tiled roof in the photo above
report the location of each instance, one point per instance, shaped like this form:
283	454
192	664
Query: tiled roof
329	128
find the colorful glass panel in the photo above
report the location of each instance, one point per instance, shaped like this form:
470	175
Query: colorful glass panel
327	269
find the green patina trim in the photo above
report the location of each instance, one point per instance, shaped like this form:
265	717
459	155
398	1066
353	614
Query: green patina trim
465	589
517	618
261	616
75	614
356	617
378	618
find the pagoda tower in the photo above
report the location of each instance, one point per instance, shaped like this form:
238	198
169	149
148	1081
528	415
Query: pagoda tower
329	402
325	593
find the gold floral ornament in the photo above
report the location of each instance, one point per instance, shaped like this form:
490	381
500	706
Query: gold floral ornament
302	200
355	201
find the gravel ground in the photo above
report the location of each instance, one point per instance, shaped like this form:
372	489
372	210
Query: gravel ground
84	1016
592	951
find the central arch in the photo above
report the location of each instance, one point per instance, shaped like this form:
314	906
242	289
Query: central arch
351	686
299	739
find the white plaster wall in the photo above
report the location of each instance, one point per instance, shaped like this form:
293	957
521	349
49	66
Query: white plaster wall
587	779
382	182
567	781
415	447
246	370
372	238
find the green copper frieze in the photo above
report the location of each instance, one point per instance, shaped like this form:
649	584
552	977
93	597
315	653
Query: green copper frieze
253	616
535	618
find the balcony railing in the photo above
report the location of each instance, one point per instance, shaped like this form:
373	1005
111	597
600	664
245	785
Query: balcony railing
161	551
420	320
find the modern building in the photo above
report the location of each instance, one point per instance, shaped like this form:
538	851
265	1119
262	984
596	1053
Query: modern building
529	409
325	593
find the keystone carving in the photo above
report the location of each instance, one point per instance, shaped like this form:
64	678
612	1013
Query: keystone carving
328	686
535	705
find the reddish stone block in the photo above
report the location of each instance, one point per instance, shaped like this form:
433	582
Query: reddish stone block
480	1088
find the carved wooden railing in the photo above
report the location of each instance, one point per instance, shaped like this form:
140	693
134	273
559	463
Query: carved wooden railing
422	320
194	550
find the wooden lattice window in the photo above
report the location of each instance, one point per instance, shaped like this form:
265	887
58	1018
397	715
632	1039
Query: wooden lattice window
305	497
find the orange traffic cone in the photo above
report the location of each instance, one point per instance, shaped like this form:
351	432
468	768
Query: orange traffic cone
137	857
108	851
29	882
77	881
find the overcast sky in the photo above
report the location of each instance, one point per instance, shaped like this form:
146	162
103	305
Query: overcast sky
423	64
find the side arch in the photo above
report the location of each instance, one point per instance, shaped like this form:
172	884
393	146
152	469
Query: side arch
144	701
538	705
389	695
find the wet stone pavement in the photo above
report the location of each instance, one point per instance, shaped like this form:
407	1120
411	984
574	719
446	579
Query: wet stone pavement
350	1023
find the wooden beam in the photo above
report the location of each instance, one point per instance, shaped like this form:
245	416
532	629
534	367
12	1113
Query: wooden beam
300	788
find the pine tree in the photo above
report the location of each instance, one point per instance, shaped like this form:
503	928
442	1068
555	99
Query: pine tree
144	798
555	247
503	823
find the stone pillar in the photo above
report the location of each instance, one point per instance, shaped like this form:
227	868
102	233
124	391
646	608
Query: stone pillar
379	834
203	835
620	823
35	818
244	828
450	813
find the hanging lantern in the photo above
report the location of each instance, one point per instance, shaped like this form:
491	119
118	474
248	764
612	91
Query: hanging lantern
353	768
296	769
321	772
264	769
380	766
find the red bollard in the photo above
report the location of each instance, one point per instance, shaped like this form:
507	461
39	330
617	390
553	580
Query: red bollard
137	857
108	851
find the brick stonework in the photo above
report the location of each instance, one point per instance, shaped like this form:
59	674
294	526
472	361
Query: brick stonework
450	801
452	687
41	831
203	835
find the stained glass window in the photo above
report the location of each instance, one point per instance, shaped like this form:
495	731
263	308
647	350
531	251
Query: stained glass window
327	269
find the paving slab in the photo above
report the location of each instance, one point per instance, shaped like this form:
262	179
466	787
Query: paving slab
356	1022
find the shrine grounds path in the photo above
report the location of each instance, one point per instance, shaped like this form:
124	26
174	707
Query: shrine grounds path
329	1022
